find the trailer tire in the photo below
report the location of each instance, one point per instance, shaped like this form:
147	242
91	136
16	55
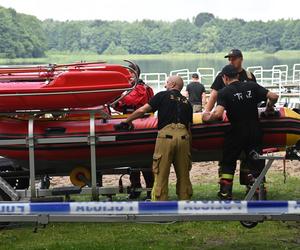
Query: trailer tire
249	224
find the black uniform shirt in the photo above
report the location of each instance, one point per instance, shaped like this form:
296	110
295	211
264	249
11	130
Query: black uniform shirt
243	77
172	107
195	90
240	100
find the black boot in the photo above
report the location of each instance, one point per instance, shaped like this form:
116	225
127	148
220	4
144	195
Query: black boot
149	179
135	183
225	192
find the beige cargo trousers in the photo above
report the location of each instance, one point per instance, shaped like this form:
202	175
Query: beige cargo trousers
172	147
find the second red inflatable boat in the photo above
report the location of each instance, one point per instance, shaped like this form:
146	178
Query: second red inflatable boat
71	88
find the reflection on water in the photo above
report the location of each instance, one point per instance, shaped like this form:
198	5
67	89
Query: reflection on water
167	65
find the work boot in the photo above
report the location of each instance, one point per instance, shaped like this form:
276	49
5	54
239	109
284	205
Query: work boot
149	179
135	179
225	192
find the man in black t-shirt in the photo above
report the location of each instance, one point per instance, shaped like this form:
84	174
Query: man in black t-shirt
196	93
240	100
235	58
175	115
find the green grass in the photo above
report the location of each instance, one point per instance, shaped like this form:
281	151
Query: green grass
67	57
189	235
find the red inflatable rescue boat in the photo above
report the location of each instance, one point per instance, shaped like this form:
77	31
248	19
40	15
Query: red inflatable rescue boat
70	87
124	149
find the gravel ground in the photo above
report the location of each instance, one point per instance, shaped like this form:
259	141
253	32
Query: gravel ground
202	172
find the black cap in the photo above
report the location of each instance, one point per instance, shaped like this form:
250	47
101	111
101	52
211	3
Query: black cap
229	70
234	53
195	75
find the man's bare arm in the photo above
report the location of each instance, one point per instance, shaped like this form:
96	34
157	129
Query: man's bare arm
212	100
139	113
272	98
203	99
186	94
216	115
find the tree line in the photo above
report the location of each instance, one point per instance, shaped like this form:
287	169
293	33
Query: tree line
26	36
21	35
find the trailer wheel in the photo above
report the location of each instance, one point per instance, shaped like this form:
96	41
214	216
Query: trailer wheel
80	176
249	224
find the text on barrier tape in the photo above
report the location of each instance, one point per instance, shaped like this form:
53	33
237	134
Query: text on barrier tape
169	207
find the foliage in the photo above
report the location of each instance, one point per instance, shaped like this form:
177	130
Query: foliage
203	18
26	36
20	35
113	49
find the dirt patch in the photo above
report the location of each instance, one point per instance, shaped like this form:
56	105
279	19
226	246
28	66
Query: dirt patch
202	172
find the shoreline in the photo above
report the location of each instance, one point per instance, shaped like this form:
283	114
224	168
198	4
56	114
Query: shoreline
67	57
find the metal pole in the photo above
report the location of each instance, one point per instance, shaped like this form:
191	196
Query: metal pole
257	182
93	156
31	156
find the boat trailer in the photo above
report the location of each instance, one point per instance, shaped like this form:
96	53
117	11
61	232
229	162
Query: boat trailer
33	205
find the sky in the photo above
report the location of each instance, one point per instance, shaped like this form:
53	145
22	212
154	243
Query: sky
167	10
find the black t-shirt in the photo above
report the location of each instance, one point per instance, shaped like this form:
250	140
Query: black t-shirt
195	90
243	77
240	100
172	107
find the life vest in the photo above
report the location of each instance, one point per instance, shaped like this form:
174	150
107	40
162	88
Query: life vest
137	98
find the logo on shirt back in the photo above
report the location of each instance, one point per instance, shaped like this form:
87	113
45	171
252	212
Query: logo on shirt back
179	99
240	95
249	94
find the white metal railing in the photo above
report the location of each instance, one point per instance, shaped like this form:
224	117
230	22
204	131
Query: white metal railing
284	72
296	73
155	80
183	73
207	75
271	79
296	79
257	72
277	79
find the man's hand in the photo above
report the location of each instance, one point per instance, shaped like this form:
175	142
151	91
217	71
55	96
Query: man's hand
270	108
212	100
214	116
205	116
124	127
270	111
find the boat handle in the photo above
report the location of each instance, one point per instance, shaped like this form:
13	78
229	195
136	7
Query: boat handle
55	130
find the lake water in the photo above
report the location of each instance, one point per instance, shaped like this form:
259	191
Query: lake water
165	66
165	63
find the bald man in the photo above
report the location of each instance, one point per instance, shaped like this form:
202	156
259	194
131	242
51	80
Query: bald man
175	115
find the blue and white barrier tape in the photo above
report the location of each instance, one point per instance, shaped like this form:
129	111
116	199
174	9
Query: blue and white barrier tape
168	207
